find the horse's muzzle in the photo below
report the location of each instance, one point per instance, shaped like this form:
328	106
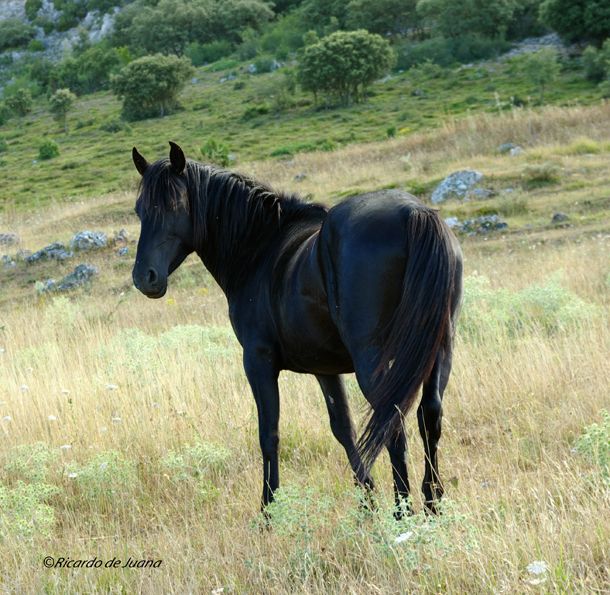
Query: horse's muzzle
151	284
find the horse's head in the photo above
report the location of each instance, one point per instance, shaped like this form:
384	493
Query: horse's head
166	234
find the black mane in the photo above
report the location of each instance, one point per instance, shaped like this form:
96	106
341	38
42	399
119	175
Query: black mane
234	216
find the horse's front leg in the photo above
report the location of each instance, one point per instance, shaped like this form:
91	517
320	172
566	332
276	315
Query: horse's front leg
262	375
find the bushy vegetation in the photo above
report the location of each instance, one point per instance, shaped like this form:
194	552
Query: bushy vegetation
48	149
541	68
60	104
149	86
215	152
583	20
344	64
546	308
20	103
15	34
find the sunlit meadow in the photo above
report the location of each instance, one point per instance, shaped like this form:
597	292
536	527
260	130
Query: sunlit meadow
127	427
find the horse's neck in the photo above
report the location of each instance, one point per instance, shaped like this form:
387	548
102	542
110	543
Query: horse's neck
231	251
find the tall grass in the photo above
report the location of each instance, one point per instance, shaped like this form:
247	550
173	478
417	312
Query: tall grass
143	443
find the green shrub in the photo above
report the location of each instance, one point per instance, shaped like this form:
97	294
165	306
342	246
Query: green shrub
29	462
594	445
31	8
216	152
256	110
263	64
108	477
36	46
582	146
14	34
60	103
20	102
344	64
115	125
197	461
48	150
548	308
541	68
604	89
5	113
25	512
149	86
537	175
224	64
446	52
204	53
3	145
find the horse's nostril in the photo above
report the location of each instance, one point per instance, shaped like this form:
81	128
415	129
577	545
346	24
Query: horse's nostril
151	277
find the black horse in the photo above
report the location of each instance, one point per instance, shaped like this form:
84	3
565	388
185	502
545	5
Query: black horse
372	285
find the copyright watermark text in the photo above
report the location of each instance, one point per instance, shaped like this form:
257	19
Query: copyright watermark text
95	562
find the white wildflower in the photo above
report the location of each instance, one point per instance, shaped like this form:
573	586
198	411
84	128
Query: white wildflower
65	391
65	447
537	567
24	388
116	420
403	537
52	418
72	475
7	418
103	466
112	386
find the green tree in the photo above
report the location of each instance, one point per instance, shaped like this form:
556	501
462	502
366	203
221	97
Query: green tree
597	62
382	16
60	104
149	86
14	33
468	17
541	68
21	102
170	25
344	63
31	8
577	20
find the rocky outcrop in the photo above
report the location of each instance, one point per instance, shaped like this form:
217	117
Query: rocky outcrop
89	240
477	226
80	276
54	251
456	185
8	239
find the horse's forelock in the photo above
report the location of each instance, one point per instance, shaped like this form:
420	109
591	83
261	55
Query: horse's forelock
161	191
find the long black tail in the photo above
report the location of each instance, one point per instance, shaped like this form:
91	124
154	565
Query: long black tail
419	329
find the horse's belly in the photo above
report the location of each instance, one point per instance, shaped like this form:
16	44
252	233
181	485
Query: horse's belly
317	354
310	341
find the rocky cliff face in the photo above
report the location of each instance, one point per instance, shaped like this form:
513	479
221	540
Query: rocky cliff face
12	9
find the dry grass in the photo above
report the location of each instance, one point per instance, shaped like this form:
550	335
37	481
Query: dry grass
175	406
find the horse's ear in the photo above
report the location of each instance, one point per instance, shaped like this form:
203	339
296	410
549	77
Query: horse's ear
177	158
139	161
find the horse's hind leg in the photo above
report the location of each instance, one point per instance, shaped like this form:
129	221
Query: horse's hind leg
367	364
342	426
397	448
429	415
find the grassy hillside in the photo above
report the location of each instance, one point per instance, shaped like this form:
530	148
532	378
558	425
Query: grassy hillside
128	428
257	118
